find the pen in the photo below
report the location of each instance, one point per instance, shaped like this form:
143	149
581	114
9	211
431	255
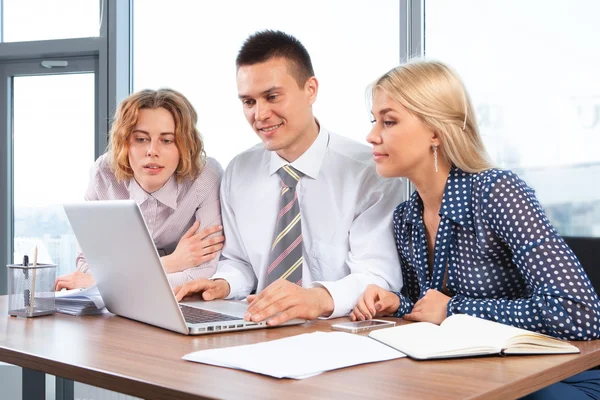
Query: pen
26	264
26	273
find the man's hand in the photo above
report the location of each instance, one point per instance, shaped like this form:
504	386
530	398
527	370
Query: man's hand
208	289
74	280
283	300
194	248
375	302
431	308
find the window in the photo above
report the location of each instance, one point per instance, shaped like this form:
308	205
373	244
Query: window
53	119
191	47
531	70
26	20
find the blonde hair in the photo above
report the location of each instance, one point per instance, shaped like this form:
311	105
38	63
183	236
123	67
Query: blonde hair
435	93
187	137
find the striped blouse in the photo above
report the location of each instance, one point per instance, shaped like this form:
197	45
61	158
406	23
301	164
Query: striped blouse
169	212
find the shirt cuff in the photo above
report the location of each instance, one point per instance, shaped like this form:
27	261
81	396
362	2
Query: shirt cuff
450	306
179	278
82	265
400	312
176	279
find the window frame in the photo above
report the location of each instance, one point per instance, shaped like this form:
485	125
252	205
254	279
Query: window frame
112	54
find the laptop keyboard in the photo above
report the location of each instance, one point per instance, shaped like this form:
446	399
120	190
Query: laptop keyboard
195	315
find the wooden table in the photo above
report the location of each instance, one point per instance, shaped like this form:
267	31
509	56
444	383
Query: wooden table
137	359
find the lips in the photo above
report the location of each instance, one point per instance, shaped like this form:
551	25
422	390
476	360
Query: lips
270	130
153	169
379	156
153	166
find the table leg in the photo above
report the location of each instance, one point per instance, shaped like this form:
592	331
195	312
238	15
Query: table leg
65	389
33	385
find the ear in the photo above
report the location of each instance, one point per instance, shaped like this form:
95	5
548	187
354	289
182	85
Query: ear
435	139
311	87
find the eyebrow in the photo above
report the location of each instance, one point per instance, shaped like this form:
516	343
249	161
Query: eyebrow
382	112
266	92
147	133
386	110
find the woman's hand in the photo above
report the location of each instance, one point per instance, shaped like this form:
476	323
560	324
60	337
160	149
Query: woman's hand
194	248
431	308
375	302
74	280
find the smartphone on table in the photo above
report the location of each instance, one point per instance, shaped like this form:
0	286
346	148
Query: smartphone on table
361	326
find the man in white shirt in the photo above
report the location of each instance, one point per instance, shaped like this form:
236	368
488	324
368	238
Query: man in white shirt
341	240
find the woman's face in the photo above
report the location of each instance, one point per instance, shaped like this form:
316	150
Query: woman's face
401	141
153	155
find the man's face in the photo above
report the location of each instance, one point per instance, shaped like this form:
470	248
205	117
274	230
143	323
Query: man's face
278	110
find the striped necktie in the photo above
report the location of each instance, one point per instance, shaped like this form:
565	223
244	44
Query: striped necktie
285	261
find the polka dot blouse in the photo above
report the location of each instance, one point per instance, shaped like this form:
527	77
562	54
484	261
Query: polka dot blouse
505	261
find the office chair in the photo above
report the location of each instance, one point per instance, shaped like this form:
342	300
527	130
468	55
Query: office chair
587	250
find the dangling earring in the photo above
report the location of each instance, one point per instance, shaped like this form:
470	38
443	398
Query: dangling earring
435	157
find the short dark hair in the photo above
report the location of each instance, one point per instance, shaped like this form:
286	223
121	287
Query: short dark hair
265	45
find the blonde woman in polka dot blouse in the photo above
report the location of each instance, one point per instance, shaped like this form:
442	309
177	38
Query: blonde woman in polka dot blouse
471	239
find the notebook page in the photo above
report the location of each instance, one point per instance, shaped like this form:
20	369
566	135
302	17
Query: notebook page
426	340
493	333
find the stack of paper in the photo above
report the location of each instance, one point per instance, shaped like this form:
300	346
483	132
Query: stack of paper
80	302
300	356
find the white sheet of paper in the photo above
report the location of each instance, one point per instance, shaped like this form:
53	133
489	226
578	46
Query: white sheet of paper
300	356
90	293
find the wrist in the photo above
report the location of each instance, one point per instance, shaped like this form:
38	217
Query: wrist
224	286
397	304
325	302
168	263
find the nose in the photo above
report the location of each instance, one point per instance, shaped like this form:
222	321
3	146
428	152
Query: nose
152	150
262	111
374	137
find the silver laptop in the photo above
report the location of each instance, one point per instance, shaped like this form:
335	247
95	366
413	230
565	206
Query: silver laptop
130	277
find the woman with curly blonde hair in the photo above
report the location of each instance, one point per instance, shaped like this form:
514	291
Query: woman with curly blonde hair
156	157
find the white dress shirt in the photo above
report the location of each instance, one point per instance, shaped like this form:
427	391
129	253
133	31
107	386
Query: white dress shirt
346	215
169	212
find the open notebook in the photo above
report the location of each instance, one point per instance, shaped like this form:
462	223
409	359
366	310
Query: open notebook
463	336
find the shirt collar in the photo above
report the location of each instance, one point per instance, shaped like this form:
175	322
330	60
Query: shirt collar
167	194
415	210
308	163
136	192
456	201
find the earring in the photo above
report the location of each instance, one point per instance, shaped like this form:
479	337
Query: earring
435	157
